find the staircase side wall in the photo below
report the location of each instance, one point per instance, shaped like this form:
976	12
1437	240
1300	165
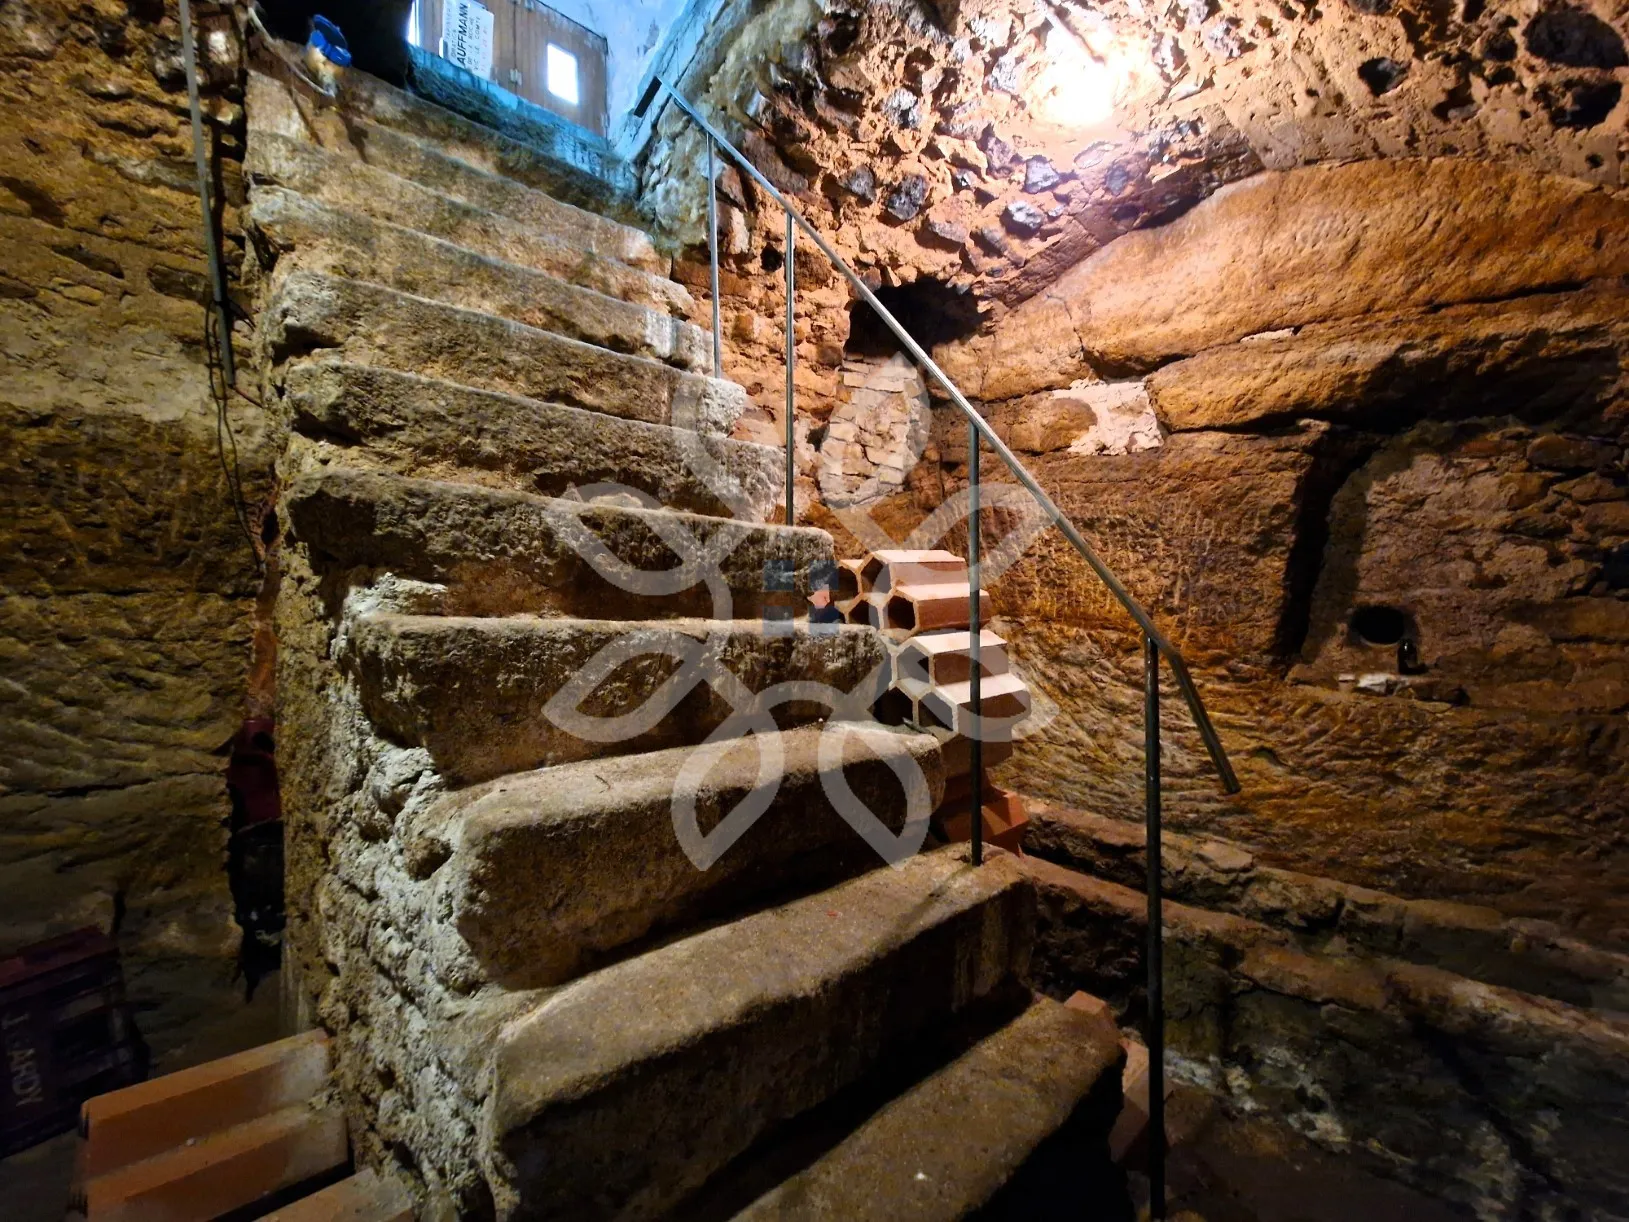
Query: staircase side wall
369	959
128	591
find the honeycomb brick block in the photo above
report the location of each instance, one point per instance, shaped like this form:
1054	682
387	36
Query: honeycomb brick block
1003	699
886	571
946	657
926	608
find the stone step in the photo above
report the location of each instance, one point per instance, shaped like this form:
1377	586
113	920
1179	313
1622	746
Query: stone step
407	135
486	696
965	1136
500	553
716	1039
415	425
552	870
369	324
309	234
340	181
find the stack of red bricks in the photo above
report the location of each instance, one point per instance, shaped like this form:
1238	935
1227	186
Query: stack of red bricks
921	601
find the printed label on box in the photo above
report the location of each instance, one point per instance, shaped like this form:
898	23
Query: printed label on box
467	36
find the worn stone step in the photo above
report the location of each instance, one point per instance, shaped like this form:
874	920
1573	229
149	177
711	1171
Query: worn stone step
551	870
407	135
953	1142
305	233
417	425
340	181
368	324
500	553
715	1039
486	695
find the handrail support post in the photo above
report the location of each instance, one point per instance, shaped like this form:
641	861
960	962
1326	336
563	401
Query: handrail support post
712	257
975	702
791	355
1156	934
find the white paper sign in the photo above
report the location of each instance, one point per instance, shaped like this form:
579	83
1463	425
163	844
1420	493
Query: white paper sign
466	36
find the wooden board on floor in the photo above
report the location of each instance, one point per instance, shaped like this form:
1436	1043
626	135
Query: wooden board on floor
223	1172
139	1122
363	1197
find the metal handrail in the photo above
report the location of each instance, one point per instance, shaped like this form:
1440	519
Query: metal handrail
1154	641
981	429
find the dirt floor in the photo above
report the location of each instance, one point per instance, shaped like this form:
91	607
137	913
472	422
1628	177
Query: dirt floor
1226	1168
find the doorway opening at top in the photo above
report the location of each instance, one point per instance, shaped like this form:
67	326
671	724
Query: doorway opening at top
931	311
525	48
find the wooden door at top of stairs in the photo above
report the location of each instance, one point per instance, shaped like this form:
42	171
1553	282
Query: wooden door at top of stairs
521	33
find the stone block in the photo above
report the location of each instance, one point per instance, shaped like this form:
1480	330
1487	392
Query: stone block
319	238
371	325
950	1143
500	552
555	868
341	182
488	696
414	425
757	1021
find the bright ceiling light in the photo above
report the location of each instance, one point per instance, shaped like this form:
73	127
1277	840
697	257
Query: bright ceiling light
1077	88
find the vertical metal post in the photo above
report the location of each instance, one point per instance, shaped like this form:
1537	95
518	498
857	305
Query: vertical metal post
712	253
791	352
1156	933
217	276
975	678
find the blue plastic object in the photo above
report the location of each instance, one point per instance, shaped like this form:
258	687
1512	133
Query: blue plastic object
326	38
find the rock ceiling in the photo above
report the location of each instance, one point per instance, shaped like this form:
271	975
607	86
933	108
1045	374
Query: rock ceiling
950	140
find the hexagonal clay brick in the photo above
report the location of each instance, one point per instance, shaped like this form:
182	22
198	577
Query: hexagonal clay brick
885	570
956	750
1003	699
924	608
946	657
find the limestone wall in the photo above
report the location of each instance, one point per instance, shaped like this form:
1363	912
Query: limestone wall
1388	386
1506	1104
127	587
1329	318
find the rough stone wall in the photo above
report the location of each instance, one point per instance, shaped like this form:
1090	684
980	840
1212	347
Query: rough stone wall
924	140
128	588
876	437
1330	317
1357	417
1506	1104
389	980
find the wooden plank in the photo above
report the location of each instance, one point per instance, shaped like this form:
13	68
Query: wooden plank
505	56
227	1171
537	26
139	1122
363	1197
430	18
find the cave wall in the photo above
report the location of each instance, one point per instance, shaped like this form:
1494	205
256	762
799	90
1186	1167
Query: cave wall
127	586
1385	385
1330	316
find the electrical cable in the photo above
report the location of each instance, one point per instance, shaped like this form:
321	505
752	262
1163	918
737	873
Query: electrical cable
224	436
218	357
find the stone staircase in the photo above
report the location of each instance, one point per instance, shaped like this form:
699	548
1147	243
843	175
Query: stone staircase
514	520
